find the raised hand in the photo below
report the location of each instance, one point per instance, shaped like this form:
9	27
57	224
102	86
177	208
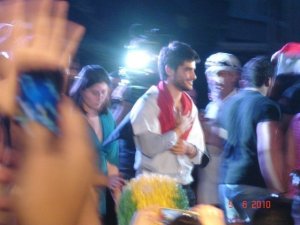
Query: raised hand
41	39
56	175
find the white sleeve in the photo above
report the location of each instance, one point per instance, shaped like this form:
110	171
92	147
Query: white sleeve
196	138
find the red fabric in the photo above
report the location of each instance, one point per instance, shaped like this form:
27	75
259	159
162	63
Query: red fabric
166	115
290	49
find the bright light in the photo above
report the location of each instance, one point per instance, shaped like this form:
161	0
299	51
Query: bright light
137	59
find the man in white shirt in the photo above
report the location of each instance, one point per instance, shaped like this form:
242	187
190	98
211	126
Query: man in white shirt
222	74
168	134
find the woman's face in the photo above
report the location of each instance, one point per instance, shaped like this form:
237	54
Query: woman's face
95	96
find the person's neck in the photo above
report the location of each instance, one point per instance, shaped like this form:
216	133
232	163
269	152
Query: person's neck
175	93
89	111
263	89
227	93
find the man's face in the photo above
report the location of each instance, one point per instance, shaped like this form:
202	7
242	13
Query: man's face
183	77
222	83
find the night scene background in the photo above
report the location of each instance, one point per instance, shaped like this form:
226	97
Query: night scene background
245	28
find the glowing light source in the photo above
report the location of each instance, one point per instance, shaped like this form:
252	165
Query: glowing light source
137	59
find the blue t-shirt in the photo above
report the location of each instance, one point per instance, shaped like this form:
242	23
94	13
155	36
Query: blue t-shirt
240	115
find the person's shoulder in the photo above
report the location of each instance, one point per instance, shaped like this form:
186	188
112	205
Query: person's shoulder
146	104
149	96
269	102
268	109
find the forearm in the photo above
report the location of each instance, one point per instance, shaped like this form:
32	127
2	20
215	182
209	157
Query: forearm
152	144
112	169
271	157
272	173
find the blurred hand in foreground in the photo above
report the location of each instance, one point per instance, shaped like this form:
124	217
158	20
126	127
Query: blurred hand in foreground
40	38
56	175
209	215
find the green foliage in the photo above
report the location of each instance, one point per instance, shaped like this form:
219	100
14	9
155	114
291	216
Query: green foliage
180	198
126	208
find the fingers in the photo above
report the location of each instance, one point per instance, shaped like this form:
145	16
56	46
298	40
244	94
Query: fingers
74	36
38	39
8	85
116	182
59	27
41	24
18	19
178	149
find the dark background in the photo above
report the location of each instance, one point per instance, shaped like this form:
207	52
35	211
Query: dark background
245	28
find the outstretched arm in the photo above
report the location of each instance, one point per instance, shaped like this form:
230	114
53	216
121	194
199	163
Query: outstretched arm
270	155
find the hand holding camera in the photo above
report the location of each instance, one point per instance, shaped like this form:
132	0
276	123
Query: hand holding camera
198	215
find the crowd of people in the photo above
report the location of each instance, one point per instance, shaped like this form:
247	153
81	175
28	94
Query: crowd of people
66	153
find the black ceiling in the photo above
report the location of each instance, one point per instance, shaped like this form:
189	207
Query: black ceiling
242	27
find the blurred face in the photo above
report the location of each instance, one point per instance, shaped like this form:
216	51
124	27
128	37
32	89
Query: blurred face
95	96
222	83
184	76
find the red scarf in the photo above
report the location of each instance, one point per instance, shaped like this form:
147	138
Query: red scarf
166	104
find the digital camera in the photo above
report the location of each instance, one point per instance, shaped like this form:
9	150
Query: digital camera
170	215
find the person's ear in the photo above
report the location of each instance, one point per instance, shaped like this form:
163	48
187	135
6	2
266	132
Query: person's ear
169	71
268	81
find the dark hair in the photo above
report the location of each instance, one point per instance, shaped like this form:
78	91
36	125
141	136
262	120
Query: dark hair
282	83
257	70
174	55
87	77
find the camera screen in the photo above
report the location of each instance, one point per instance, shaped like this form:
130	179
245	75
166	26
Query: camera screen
170	215
38	99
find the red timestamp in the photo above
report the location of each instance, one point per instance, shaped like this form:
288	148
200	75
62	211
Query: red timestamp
254	204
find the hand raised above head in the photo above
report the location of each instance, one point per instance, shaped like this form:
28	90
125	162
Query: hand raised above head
41	39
